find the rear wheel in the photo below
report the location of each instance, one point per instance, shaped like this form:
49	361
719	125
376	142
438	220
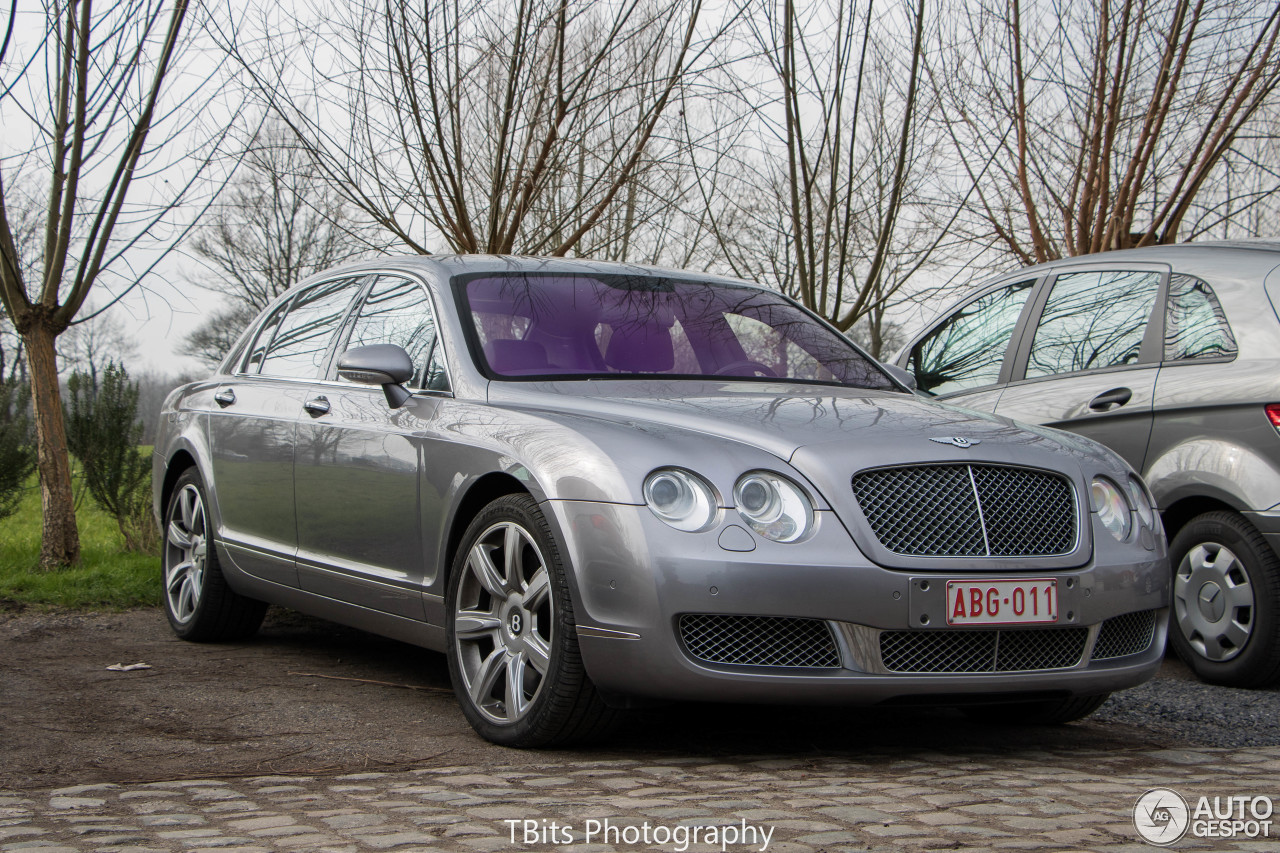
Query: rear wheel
1226	598
197	600
512	644
1047	712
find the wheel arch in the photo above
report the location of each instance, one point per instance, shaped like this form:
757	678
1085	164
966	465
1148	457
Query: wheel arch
175	467
1179	513
484	491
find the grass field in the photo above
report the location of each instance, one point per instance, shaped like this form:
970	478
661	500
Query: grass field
108	577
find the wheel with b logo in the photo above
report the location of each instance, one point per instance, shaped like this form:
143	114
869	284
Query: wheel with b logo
512	645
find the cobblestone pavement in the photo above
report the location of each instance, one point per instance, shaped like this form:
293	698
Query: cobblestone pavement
895	800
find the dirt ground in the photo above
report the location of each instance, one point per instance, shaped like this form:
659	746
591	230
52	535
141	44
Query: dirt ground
309	697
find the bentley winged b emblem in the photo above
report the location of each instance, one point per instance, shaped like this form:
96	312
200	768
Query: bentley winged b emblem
956	441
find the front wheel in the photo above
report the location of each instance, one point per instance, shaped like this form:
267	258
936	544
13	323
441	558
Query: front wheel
1226	598
197	600
512	645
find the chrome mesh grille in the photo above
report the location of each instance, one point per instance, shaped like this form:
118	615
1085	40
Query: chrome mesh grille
759	640
1006	650
1125	635
968	510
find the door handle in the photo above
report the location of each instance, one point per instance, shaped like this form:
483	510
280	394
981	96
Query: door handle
318	406
225	397
1115	397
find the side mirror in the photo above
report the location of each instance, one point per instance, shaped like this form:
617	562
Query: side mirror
387	365
906	377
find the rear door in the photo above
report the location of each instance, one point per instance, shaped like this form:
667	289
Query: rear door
1088	362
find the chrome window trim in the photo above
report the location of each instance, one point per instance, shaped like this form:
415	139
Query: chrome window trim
372	276
285	301
435	318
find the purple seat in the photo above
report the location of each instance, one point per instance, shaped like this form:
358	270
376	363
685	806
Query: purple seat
643	348
514	357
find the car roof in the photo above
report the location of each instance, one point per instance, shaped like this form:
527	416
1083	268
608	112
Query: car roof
451	265
1195	251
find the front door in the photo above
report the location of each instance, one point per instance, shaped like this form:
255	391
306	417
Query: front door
364	506
1090	363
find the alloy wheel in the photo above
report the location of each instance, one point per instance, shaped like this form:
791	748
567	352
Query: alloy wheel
186	553
503	622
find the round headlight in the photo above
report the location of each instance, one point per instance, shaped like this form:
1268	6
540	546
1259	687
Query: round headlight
773	506
1142	500
682	499
1111	507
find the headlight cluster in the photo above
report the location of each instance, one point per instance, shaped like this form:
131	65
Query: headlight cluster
769	503
773	506
682	499
1115	506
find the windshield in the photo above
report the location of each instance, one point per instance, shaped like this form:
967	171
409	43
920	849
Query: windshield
541	326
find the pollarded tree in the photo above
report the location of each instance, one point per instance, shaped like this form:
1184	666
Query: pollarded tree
828	193
488	126
80	102
1110	124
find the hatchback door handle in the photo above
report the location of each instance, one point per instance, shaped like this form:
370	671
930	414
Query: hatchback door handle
225	397
1115	397
318	406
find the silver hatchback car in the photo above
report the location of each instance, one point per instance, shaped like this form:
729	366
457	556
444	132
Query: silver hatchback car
1169	356
594	486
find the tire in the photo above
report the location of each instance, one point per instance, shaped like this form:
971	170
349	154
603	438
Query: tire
1048	712
199	604
512	645
1226	601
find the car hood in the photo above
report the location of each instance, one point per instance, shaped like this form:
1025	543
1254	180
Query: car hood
817	428
613	433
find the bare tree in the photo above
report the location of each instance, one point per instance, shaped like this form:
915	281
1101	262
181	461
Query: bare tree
89	92
1109	124
87	347
486	125
274	224
213	339
831	197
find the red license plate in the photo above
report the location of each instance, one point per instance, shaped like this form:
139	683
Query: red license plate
1030	601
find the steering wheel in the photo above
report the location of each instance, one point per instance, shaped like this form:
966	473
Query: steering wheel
756	367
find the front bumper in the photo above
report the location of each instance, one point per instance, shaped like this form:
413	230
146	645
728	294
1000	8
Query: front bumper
635	580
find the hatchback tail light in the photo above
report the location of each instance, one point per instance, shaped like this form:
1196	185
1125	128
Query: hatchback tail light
1273	414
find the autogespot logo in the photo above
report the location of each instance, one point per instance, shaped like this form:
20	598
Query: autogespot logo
1161	816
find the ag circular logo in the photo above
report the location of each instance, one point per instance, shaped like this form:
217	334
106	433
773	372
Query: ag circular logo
1161	816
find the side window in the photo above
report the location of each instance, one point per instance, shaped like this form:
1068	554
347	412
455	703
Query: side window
265	334
1093	320
967	349
299	347
1195	326
398	311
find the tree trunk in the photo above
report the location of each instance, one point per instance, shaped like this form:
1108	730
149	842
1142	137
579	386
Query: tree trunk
59	539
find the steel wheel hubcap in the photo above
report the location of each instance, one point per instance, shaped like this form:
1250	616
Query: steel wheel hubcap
503	623
1213	601
186	553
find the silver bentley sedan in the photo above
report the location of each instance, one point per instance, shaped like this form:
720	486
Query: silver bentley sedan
595	486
